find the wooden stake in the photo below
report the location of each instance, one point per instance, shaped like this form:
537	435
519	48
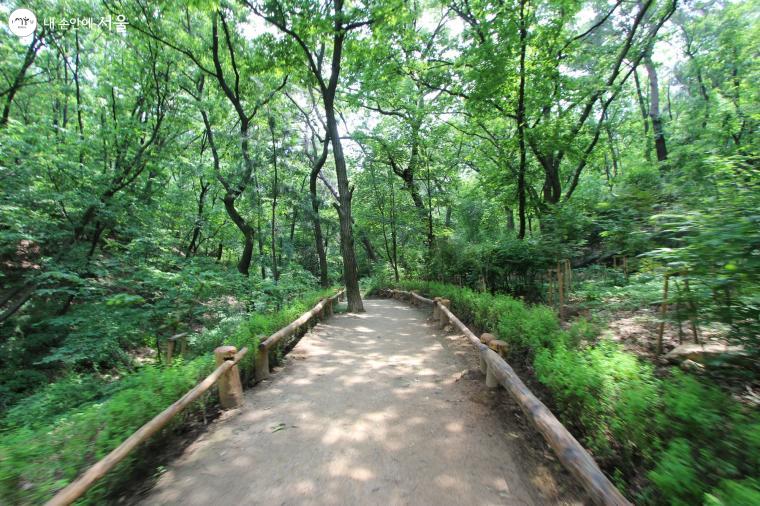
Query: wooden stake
491	381
692	310
169	351
663	310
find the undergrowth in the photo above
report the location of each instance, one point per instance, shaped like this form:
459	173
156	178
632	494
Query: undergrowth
671	440
49	438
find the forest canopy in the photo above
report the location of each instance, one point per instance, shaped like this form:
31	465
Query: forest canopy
178	167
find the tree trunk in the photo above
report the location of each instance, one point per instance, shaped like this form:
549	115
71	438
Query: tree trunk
197	227
316	222
510	219
521	126
644	117
275	191
368	248
654	111
244	264
345	194
328	91
18	82
613	152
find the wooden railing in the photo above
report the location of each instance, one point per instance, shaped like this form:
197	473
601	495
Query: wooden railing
570	452
230	396
322	309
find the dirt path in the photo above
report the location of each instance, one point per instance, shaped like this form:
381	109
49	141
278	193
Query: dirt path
375	408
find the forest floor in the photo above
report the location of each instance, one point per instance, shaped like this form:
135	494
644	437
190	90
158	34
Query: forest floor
372	408
629	313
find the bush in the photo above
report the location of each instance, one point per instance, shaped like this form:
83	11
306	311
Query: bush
694	443
51	437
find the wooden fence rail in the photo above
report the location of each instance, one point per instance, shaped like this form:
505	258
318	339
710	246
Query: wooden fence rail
324	307
570	452
230	396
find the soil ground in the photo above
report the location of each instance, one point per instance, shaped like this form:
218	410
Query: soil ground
372	408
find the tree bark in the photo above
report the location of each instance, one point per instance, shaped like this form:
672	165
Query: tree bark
18	82
345	194
316	221
644	117
521	126
654	110
275	191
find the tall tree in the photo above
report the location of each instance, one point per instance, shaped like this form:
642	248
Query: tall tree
337	23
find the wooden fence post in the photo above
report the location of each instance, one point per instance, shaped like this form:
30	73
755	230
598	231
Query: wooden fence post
261	364
491	381
485	338
436	311
550	287
169	351
442	319
230	387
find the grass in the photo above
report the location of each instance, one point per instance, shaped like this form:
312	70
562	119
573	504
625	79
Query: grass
663	440
51	437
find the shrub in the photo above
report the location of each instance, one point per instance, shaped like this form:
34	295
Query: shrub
52	436
693	442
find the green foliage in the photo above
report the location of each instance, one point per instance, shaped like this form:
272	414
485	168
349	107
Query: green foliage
50	437
691	414
608	289
506	264
715	244
44	454
734	492
693	442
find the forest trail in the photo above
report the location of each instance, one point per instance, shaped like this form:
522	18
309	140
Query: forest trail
373	408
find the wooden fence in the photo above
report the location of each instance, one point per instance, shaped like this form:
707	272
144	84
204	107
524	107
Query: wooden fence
570	452
230	396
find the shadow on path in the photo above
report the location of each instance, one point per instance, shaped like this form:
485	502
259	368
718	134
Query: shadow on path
369	408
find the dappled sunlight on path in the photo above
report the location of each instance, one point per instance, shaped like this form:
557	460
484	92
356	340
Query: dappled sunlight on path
368	409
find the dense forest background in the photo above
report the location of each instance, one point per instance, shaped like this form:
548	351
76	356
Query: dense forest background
206	166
